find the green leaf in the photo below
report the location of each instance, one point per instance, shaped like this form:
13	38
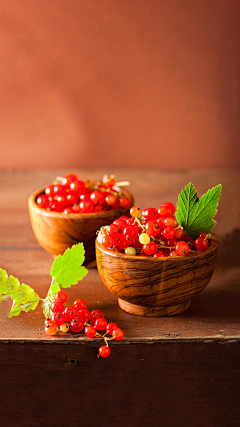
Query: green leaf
196	215
46	305
24	297
66	269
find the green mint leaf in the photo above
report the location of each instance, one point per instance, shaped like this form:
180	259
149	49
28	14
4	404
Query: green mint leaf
196	215
24	297
66	269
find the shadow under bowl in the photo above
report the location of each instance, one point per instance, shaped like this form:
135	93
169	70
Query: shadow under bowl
155	286
56	231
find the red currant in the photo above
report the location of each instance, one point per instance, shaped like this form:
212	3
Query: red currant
86	206
97	197
68	179
164	212
150	213
169	206
120	223
43	202
84	314
113	230
201	244
118	334
179	233
109	241
110	199
169	232
173	253
160	254
90	332
77	325
50	329
150	248
124	202
77	187
64	327
100	324
130	233
169	221
49	190
79	303
135	211
61	296
182	248
152	228
57	307
58	318
104	351
70	313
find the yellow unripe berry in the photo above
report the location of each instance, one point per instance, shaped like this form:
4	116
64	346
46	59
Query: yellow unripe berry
135	211
144	238
64	327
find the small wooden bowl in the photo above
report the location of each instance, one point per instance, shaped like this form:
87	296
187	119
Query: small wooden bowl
155	286
56	231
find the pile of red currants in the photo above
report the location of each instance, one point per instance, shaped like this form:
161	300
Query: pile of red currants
76	317
151	233
70	195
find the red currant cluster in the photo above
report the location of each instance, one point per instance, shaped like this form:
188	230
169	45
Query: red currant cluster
151	233
71	195
77	317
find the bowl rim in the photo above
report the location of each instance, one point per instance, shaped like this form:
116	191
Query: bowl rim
92	215
213	246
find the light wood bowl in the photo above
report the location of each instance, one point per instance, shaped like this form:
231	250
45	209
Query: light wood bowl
155	286
56	231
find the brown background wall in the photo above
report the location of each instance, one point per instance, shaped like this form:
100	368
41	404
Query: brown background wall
119	82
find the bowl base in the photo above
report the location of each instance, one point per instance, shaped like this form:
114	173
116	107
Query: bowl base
153	311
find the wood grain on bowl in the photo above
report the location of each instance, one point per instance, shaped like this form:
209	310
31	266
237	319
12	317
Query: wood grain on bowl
155	286
56	231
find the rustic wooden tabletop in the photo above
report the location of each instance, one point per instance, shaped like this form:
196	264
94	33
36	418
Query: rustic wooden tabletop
188	362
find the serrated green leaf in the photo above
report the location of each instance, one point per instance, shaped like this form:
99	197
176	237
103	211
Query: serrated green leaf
196	215
66	269
186	200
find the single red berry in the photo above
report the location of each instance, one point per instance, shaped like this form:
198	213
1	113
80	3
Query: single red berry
152	228
76	325
120	223
70	313
49	190
90	332
118	334
130	233
169	206
160	254
95	314
68	179
164	212
173	253
84	314
124	202
122	242
113	230
203	234
50	328
182	248
111	327
97	197
109	241
160	222
201	244
110	199
86	206
104	351
150	248
77	187
58	318
42	201
179	233
100	324
57	307
169	221
71	199
79	303
169	232
150	213
61	296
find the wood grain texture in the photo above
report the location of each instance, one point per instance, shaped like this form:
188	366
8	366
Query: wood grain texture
56	232
150	286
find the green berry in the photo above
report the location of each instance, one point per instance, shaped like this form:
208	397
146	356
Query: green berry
130	251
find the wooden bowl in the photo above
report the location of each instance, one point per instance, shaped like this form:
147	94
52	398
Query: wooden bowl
155	286
56	231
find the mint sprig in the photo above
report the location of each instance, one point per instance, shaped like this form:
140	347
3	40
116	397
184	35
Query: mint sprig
66	270
195	215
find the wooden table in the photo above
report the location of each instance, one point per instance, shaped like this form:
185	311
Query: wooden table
175	371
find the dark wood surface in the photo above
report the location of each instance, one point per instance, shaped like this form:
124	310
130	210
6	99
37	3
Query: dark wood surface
167	371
